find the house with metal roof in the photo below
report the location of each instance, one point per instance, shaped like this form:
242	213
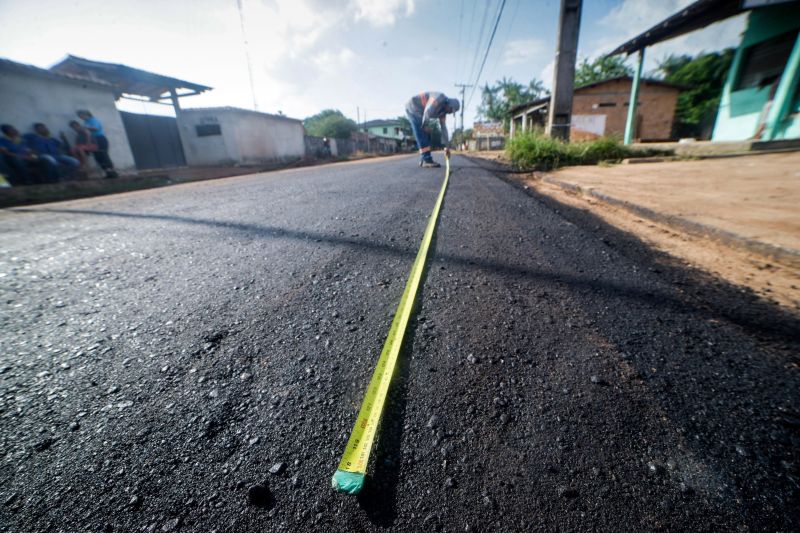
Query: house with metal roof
600	109
30	94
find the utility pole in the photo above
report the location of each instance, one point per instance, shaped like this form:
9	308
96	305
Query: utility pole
464	87
560	113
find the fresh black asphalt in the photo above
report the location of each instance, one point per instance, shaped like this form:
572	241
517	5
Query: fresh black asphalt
164	352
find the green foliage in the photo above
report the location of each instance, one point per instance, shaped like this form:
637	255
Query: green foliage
498	99
405	125
534	150
330	123
602	68
703	78
459	136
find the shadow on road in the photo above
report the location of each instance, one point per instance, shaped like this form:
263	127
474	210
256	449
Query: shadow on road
749	311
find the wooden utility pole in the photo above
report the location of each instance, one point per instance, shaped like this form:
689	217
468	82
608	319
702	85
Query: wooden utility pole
560	113
463	87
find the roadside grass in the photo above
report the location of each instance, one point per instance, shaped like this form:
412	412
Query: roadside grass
535	151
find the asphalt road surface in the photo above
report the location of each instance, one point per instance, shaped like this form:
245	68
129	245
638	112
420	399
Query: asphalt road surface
163	352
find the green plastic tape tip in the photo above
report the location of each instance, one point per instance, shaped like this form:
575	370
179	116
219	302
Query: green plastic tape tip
347	482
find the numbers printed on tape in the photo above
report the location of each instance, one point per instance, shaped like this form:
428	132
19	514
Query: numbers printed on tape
356	454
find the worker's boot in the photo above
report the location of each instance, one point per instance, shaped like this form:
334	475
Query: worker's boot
428	162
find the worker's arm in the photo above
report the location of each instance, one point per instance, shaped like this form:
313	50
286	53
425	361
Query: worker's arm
433	108
443	127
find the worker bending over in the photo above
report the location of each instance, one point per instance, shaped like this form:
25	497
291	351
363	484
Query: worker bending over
420	110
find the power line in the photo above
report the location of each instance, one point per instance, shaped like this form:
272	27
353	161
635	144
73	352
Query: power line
460	31
488	47
479	41
247	54
509	28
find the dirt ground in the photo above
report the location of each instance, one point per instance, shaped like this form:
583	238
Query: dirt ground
752	196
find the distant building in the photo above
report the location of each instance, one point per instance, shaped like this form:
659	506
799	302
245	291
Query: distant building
30	94
487	136
601	108
761	98
229	135
488	129
391	128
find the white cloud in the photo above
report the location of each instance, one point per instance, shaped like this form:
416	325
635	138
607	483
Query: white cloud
523	51
382	12
330	62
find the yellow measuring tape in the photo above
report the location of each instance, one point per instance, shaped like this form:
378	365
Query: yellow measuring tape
349	478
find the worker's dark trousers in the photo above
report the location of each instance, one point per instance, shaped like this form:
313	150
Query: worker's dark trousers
101	155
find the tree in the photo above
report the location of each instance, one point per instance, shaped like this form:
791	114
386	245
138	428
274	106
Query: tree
702	78
498	99
602	68
459	136
330	123
671	64
405	125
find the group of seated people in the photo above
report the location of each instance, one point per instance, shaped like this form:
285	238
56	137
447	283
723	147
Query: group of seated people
38	157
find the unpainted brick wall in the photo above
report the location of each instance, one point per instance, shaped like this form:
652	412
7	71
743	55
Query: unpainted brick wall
654	115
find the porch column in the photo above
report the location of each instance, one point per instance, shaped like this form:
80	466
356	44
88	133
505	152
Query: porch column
630	124
175	104
784	93
512	127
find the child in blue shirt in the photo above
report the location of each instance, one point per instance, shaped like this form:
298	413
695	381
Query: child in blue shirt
99	137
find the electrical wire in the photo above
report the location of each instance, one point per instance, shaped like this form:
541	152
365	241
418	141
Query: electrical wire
488	48
479	41
507	35
460	31
247	54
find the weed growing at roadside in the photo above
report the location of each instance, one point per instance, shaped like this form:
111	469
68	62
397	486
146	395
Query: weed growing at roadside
536	151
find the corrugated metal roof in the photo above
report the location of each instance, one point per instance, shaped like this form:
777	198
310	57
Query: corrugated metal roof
125	79
693	17
24	68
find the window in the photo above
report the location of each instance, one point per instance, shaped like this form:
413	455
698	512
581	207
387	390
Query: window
207	130
385	130
763	63
605	104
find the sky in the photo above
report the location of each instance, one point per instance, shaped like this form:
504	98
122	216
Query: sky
363	57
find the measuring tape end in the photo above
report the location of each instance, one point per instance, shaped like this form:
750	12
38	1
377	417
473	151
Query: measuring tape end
347	482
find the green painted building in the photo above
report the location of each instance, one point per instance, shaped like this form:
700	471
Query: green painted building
391	128
762	94
761	98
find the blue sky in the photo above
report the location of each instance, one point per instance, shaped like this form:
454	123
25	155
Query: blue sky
308	55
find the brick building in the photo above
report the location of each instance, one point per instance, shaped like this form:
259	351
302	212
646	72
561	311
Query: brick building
600	109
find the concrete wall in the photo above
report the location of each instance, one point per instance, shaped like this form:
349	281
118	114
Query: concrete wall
27	97
655	113
246	137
